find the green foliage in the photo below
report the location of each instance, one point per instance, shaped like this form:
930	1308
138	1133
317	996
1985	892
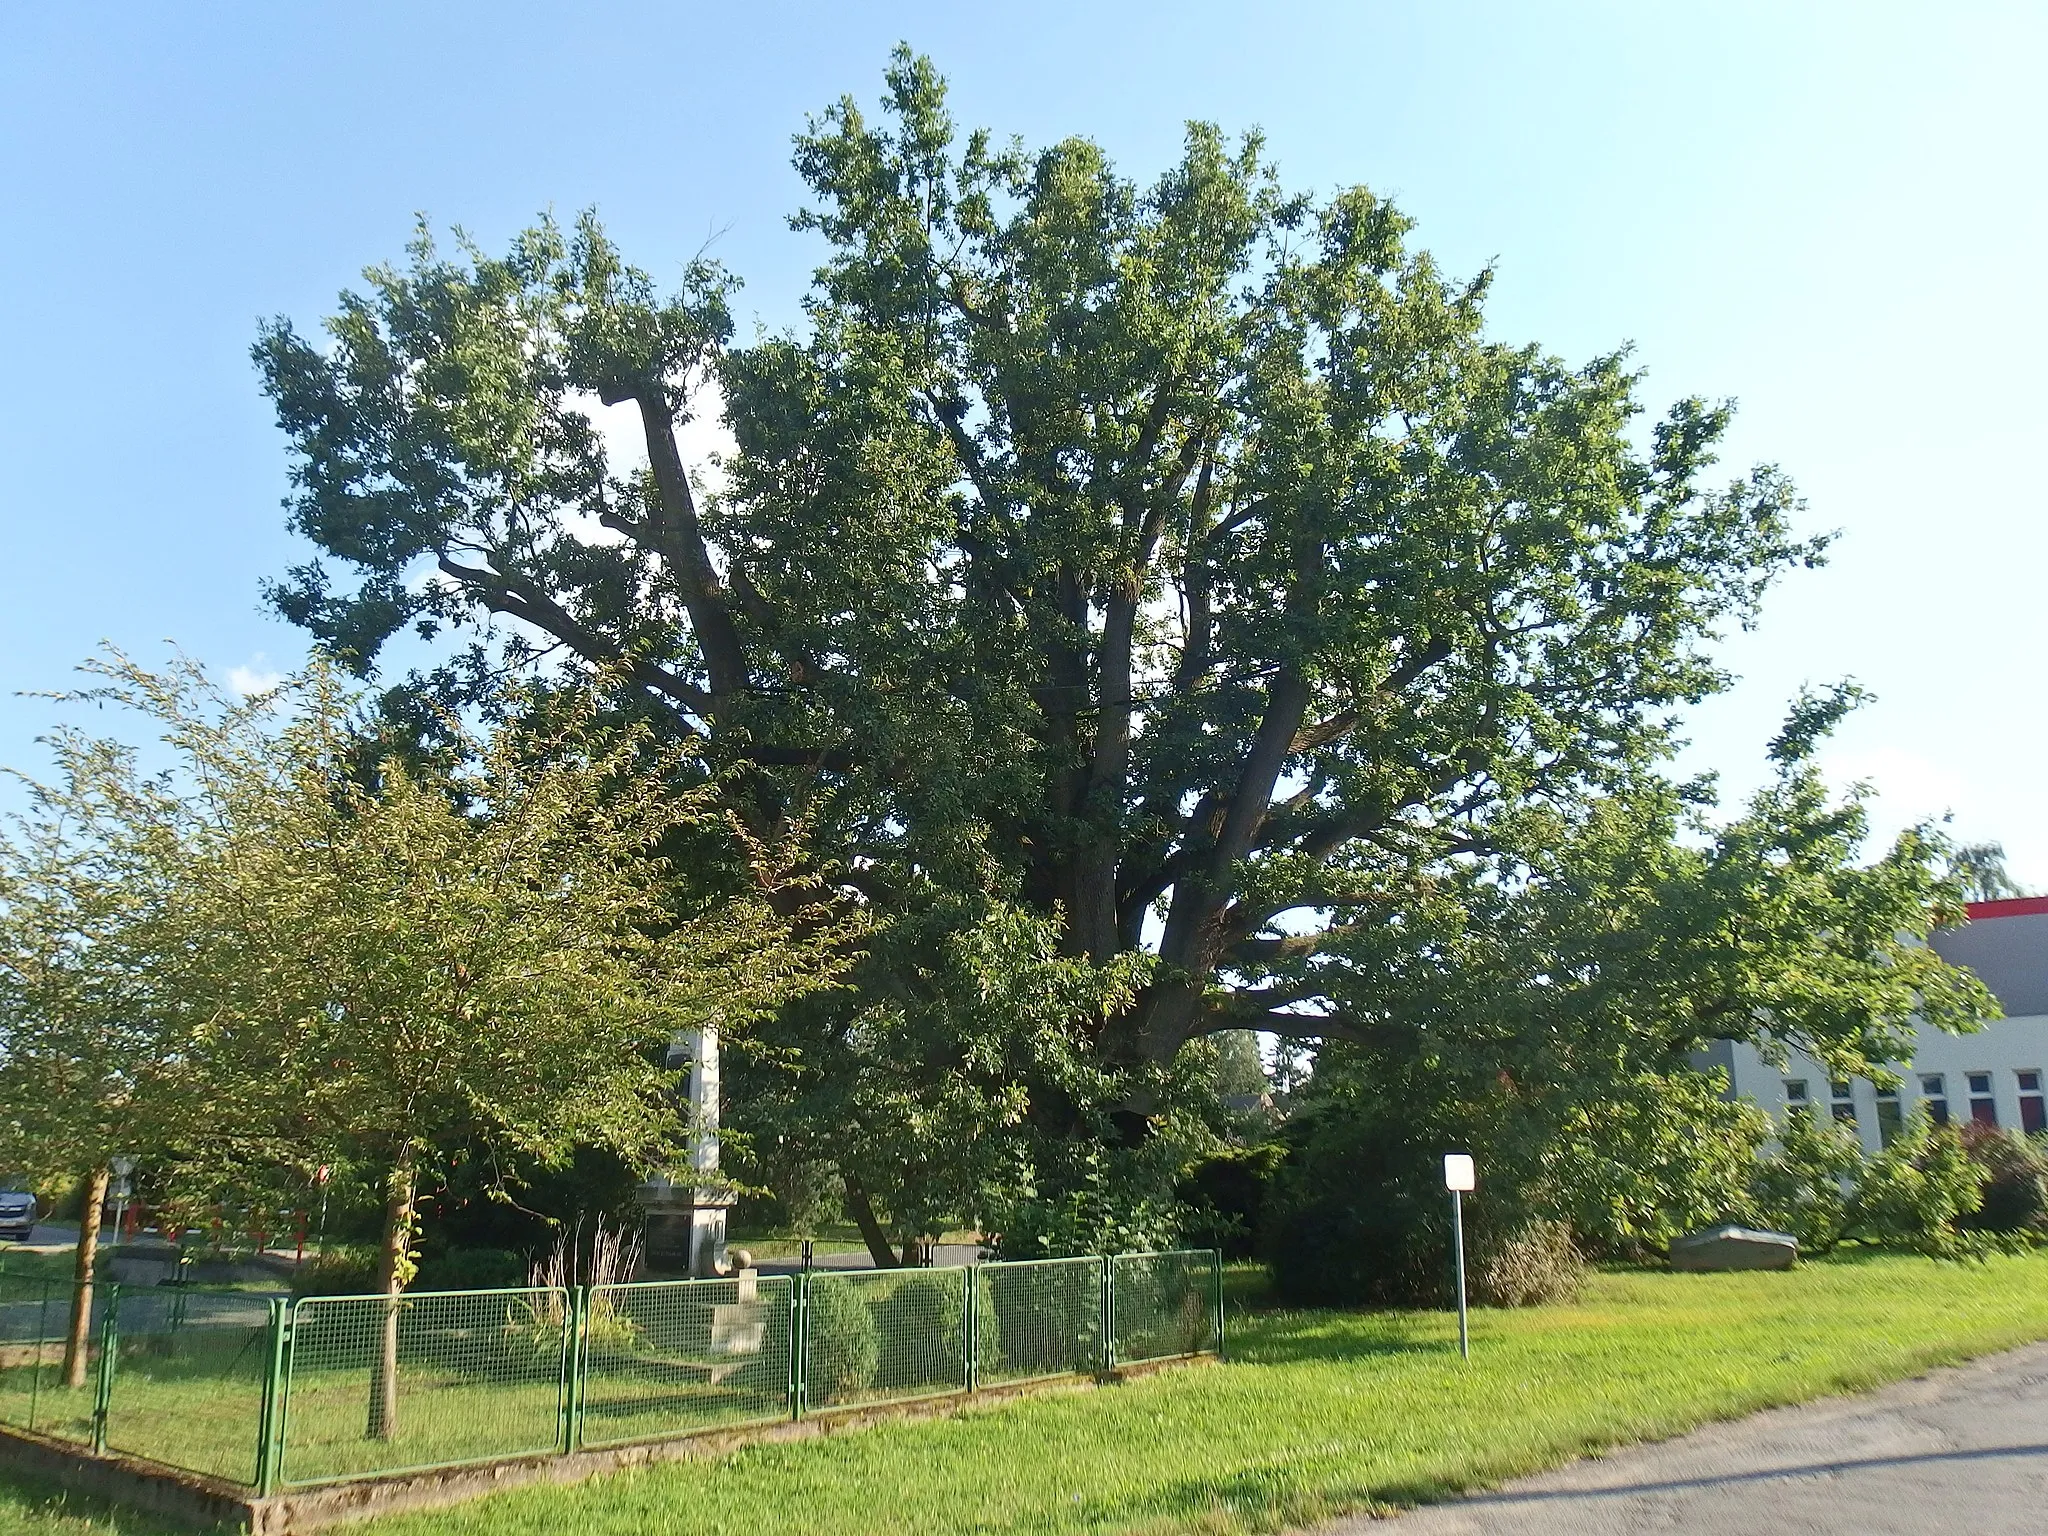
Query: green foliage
339	1271
471	1269
2014	1173
1097	553
1800	1187
1549	1025
380	964
1919	1192
844	1343
1226	1197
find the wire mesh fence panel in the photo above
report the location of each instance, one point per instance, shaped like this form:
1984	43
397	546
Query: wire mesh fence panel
1165	1304
1039	1317
32	1318
187	1386
379	1384
667	1357
883	1335
35	1317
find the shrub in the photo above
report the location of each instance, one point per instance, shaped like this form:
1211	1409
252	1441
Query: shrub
844	1342
1799	1188
2012	1169
1359	1216
923	1330
1226	1196
1917	1192
1040	1330
350	1271
470	1269
1534	1263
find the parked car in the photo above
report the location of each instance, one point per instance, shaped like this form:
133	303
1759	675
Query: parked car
18	1214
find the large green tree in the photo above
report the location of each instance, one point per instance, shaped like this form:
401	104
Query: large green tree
1182	566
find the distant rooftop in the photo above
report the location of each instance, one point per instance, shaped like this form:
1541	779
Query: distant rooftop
2011	906
2006	944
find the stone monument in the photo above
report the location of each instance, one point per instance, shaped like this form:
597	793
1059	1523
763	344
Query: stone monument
685	1226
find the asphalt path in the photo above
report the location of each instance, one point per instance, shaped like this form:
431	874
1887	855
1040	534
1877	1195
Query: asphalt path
1960	1449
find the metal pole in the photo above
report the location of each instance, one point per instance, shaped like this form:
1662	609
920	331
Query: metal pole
271	1427
576	1307
1458	1232
799	1342
1216	1280
971	1274
1108	1315
103	1387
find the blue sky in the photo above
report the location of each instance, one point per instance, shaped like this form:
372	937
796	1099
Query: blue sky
1832	213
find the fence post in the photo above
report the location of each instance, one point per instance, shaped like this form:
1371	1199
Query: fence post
973	1284
799	1339
1108	1314
575	1322
103	1387
35	1375
1216	1277
270	1431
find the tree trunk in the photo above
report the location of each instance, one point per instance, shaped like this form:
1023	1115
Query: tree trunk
391	1277
77	1339
871	1231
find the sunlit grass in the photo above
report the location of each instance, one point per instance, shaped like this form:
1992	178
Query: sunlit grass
1316	1413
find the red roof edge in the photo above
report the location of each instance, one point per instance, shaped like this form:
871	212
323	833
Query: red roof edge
2012	906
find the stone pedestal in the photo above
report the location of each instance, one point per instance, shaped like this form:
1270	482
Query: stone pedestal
684	1230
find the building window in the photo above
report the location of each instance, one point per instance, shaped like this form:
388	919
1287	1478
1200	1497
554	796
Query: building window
1845	1106
2033	1114
1889	1119
1796	1101
1983	1108
1934	1093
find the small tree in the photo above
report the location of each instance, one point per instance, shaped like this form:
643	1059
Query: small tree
90	1061
372	959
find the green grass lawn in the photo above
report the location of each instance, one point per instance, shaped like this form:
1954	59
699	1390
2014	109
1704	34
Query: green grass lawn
1317	1413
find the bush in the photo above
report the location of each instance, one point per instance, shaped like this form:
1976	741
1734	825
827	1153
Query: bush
1360	1219
923	1330
1917	1192
1226	1196
1799	1188
845	1346
2012	1169
1537	1262
470	1269
350	1271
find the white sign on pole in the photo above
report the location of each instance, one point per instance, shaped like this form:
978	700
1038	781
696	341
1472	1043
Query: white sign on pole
1458	1172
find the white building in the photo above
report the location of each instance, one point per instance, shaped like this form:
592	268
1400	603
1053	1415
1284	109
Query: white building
1996	1075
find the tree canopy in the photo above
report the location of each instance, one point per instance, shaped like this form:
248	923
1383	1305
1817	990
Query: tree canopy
1176	579
290	948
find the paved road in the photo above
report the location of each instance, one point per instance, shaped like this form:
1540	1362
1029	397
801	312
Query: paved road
1958	1450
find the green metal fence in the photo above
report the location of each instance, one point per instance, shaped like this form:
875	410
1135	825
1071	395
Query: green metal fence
1166	1305
34	1314
268	1393
665	1358
1041	1317
378	1384
188	1372
883	1335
